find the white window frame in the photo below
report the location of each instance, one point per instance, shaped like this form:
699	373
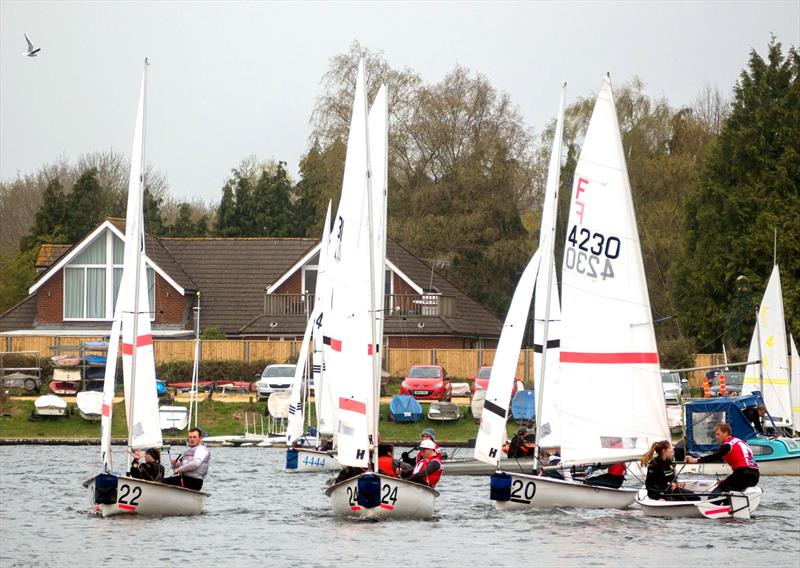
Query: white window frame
109	267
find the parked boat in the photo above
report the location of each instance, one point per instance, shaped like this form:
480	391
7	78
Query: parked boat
173	417
65	360
523	406
116	493
476	404
95	345
49	405
94	360
794	383
405	409
444	411
90	405
65	381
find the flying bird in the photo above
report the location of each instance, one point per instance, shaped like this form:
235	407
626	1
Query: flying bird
31	51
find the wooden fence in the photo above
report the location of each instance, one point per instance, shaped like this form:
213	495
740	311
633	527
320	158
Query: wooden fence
459	363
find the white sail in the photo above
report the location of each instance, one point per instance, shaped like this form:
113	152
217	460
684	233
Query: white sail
611	402
492	431
795	386
324	397
296	421
138	363
348	334
545	362
771	377
378	151
107	409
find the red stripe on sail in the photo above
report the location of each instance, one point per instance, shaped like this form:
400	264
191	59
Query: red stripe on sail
126	507
106	410
352	405
369	349
335	344
127	348
608	358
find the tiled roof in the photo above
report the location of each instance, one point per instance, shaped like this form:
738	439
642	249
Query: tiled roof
20	316
232	274
49	253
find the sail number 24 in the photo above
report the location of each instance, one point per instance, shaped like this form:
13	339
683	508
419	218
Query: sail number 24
591	253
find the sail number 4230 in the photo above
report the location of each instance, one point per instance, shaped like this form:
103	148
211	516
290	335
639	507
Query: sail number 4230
591	253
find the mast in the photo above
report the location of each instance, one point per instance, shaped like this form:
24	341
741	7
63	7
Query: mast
195	367
760	357
139	251
373	332
549	254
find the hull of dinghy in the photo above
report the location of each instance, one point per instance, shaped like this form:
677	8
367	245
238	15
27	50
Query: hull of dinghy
536	492
391	498
308	461
750	499
120	495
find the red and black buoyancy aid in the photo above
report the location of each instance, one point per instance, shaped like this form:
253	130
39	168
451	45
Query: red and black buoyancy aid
432	479
386	466
617	469
740	455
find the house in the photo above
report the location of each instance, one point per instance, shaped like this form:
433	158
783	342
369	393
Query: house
248	287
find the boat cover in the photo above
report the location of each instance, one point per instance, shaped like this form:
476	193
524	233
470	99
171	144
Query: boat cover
703	415
404	408
523	407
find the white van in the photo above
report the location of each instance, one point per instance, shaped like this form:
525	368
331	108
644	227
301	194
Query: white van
275	378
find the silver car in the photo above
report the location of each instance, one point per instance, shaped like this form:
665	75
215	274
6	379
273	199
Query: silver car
675	387
275	378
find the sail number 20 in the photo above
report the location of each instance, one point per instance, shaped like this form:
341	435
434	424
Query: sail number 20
591	253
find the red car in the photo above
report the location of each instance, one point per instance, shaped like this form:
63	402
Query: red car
481	379
427	382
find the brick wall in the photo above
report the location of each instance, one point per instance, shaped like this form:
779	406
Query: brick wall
292	285
50	300
170	305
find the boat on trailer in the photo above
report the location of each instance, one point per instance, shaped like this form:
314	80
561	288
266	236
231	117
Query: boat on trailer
113	493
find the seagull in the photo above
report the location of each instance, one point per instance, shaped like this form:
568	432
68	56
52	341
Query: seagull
31	51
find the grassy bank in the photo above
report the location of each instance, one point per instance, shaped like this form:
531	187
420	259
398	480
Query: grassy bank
216	417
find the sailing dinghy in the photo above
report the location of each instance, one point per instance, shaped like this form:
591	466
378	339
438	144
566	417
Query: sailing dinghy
114	493
352	324
609	404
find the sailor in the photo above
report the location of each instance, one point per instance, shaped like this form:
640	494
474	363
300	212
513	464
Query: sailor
426	434
151	469
386	462
736	454
661	481
429	468
614	478
756	417
191	468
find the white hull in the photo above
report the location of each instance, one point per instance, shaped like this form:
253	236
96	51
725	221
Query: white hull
400	499
173	417
309	461
140	497
749	499
536	492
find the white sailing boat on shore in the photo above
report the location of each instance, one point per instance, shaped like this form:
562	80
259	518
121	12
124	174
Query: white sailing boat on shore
115	493
607	395
351	326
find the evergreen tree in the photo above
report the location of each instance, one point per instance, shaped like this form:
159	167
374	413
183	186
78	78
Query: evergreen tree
748	188
226	215
85	206
50	225
272	210
183	225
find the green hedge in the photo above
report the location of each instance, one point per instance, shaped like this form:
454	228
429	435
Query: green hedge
181	371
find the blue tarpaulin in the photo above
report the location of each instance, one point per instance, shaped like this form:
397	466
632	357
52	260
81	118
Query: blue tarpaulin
523	406
404	408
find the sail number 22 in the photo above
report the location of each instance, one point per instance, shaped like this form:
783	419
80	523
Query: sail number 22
591	253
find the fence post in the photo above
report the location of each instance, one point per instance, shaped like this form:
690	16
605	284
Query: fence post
246	352
433	356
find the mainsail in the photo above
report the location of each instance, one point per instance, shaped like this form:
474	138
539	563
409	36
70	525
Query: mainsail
795	386
768	345
611	401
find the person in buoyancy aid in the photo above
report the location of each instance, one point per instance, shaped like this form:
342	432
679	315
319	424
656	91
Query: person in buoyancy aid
190	468
151	469
429	469
614	478
661	481
520	446
387	465
737	454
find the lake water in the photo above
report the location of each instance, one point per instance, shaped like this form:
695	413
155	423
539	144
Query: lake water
257	515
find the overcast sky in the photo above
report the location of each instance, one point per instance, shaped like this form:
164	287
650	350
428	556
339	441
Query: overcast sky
228	80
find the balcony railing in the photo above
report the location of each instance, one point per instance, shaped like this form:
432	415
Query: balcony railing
395	305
